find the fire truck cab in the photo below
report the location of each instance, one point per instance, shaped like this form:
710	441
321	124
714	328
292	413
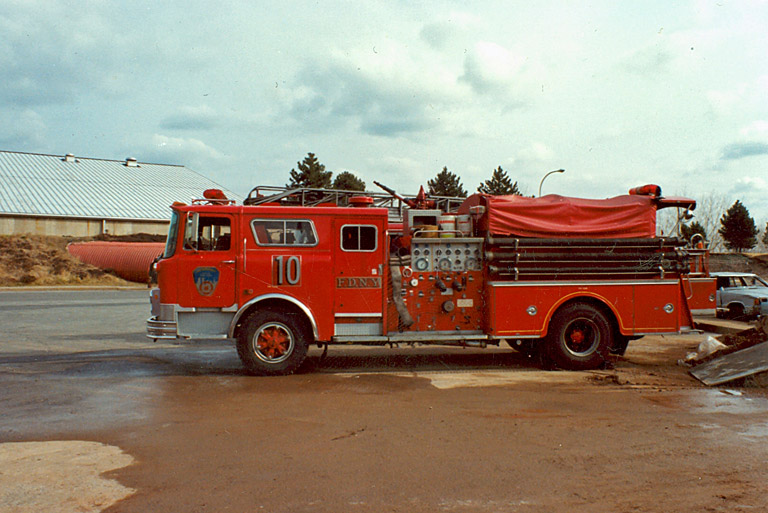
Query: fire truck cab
278	274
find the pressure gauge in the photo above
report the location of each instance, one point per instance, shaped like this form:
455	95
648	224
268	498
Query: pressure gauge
444	264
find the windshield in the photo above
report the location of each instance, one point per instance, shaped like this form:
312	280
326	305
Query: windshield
173	232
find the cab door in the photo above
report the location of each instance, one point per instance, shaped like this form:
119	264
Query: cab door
207	261
359	276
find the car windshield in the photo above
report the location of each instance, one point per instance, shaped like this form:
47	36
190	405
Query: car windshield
755	281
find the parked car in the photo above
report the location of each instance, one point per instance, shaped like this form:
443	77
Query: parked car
741	295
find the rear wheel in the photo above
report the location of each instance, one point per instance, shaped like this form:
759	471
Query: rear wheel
579	338
272	343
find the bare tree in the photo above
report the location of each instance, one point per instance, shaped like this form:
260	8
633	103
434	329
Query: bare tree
709	210
710	207
762	238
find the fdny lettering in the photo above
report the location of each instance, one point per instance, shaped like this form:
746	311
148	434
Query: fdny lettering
358	282
206	279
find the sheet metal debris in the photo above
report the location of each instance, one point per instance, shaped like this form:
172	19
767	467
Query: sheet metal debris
740	364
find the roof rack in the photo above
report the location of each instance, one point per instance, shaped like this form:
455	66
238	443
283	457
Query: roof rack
310	197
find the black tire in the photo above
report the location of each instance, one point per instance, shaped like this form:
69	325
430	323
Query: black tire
580	337
273	343
735	311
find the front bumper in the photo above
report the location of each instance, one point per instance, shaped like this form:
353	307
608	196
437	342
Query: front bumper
162	325
157	329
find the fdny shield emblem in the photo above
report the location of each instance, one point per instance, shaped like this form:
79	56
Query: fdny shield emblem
206	279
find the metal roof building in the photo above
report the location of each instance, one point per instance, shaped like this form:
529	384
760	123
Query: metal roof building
76	196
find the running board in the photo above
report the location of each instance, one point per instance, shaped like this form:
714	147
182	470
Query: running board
459	338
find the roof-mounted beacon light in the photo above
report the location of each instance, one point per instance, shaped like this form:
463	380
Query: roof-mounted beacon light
646	190
214	194
131	162
361	201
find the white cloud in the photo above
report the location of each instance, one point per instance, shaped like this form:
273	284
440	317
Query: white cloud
490	67
751	191
655	57
750	183
724	102
199	117
536	152
757	128
449	30
190	152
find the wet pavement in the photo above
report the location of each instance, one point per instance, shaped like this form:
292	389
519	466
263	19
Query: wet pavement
409	429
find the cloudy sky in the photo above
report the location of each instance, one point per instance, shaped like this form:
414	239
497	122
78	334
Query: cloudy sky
617	93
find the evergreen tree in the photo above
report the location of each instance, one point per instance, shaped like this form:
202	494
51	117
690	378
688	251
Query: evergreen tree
738	228
499	184
347	181
689	230
446	184
311	174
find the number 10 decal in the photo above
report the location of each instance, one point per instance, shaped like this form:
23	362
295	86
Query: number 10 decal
288	270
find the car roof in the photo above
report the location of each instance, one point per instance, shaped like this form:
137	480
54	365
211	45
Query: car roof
730	274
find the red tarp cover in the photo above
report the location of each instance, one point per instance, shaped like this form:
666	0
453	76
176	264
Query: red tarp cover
554	216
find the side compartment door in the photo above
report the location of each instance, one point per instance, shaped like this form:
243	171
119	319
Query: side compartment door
359	274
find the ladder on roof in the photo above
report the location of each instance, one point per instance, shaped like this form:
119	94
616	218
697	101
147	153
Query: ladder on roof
310	197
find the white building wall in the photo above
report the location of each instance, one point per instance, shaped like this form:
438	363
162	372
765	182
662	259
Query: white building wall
76	227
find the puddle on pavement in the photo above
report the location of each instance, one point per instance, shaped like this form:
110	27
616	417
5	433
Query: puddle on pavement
732	415
465	379
711	401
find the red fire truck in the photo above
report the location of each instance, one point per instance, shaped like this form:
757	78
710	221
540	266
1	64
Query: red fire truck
573	279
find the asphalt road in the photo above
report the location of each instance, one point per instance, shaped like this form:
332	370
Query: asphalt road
95	417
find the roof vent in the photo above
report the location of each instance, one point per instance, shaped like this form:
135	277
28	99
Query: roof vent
131	162
69	157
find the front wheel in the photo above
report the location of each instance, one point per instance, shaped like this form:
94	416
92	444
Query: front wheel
735	311
272	343
580	337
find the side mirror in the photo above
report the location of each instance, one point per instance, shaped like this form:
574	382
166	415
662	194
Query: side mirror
190	231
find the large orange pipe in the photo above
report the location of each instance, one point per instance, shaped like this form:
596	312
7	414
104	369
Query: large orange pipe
129	260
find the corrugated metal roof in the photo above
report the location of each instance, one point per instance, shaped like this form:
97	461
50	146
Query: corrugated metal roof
49	185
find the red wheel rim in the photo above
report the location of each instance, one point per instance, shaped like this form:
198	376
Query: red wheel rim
273	342
581	337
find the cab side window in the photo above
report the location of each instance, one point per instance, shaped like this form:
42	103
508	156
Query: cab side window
284	232
213	234
358	238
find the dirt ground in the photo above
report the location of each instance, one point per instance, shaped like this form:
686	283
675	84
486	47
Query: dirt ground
745	262
34	260
643	437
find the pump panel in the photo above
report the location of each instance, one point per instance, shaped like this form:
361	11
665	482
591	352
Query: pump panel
446	255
